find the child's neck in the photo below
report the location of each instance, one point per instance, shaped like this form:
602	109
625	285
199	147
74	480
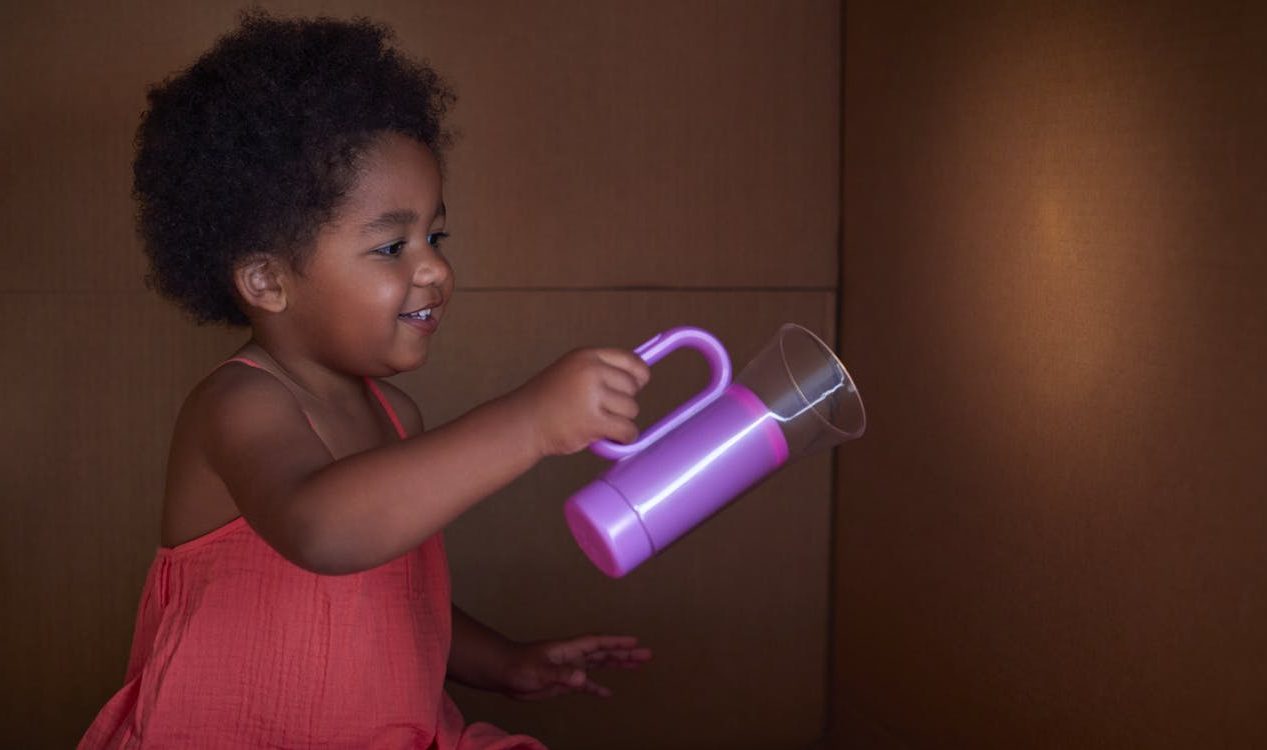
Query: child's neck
319	381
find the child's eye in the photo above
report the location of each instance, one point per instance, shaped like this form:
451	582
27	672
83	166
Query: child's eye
393	250
435	238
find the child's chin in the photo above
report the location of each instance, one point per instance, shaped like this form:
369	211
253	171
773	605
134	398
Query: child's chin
408	364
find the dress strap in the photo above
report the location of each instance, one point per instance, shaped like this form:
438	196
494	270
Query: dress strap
387	407
244	361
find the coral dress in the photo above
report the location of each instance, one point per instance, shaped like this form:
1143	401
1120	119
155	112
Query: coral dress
237	647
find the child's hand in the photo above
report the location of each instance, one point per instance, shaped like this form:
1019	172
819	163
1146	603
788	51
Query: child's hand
545	669
585	396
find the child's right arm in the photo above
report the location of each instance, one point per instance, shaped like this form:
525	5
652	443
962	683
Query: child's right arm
361	511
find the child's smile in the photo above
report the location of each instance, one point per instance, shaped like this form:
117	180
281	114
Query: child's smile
422	319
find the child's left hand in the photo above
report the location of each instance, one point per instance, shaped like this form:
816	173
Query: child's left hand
544	669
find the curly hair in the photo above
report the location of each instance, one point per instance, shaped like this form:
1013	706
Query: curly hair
253	147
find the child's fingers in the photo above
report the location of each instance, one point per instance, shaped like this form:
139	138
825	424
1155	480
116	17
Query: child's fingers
627	361
621	430
621	405
585	685
623	658
581	645
620	381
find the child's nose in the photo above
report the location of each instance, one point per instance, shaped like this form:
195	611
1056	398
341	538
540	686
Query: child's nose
432	270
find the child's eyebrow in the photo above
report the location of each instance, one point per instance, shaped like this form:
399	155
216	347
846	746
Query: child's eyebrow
390	220
396	218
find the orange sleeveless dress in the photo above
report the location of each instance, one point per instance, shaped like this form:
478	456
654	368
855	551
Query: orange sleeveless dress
236	647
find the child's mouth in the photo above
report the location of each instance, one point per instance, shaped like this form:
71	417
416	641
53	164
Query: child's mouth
421	320
424	314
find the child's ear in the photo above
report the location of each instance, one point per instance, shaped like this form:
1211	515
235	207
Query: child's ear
260	283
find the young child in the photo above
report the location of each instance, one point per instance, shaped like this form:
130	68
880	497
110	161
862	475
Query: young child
289	180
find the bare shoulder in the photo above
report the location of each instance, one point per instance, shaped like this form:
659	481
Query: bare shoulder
241	419
236	426
237	396
405	407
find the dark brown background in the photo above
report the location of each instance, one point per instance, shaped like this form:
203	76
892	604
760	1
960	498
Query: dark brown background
1055	532
1044	269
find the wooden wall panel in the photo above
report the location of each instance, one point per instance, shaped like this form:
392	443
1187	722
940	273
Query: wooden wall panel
73	77
664	144
1052	534
605	150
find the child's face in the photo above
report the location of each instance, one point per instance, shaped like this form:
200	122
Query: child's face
377	262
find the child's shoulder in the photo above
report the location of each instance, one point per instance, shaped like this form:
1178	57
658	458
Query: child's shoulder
235	384
234	421
238	397
235	398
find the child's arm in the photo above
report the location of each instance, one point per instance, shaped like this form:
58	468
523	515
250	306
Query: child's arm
478	654
361	511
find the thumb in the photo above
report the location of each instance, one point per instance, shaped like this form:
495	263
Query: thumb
570	676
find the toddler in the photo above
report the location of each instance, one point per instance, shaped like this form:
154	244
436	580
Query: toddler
290	181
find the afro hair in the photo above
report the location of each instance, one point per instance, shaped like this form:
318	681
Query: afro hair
252	148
